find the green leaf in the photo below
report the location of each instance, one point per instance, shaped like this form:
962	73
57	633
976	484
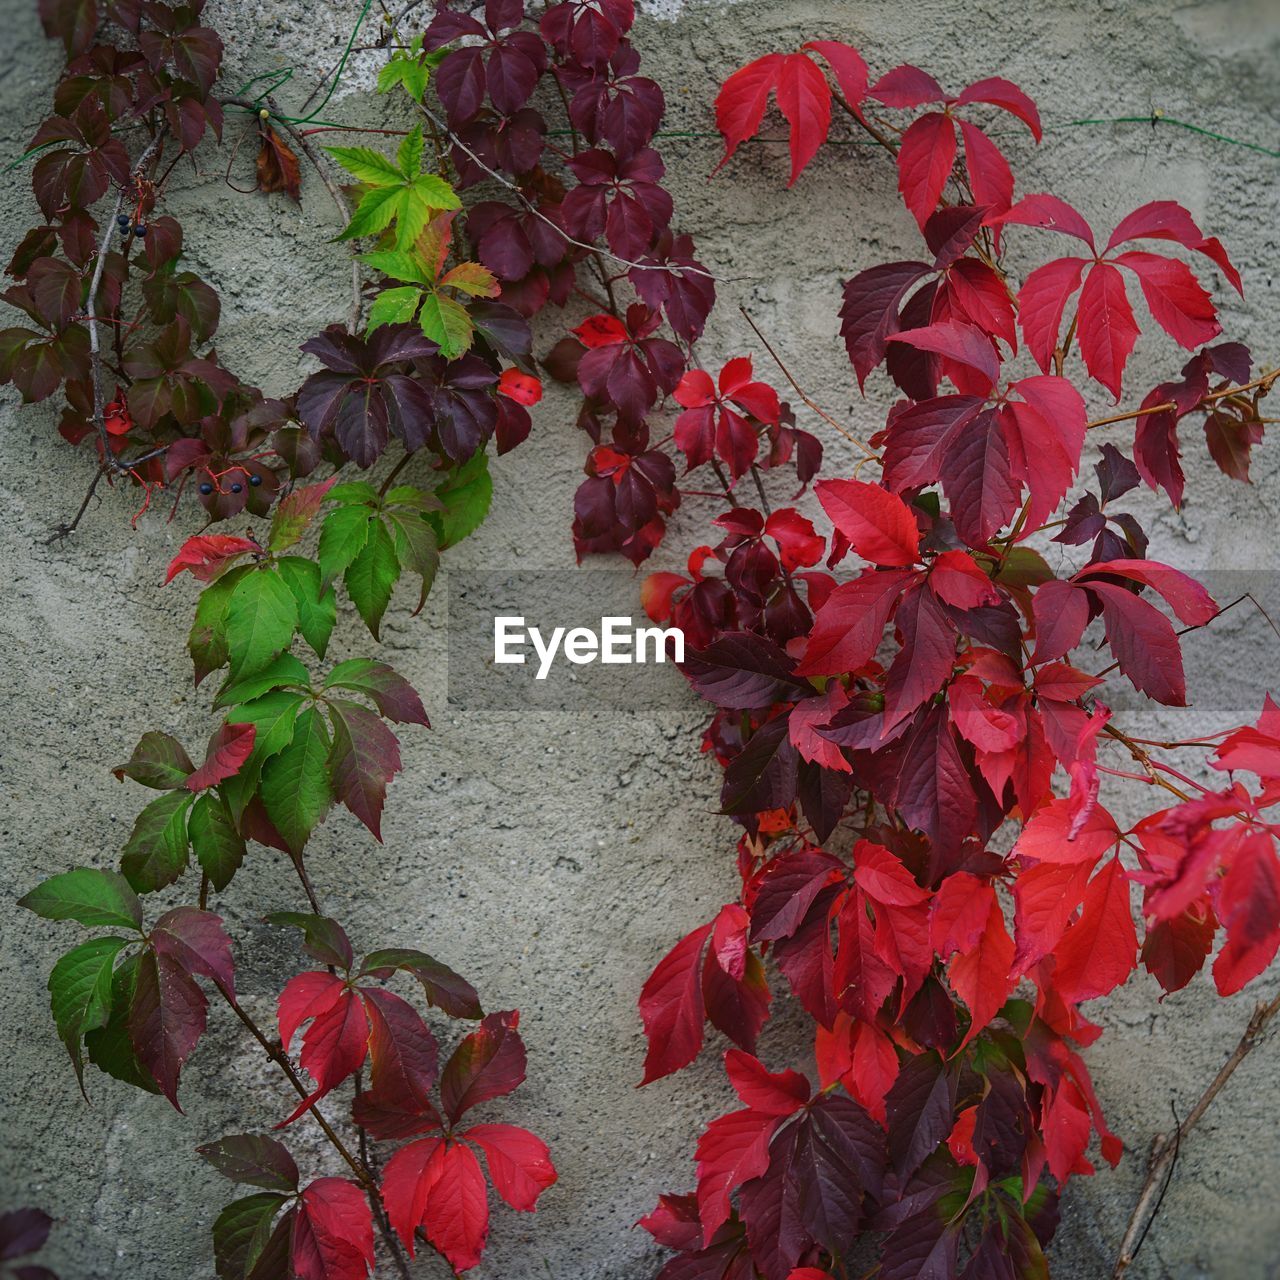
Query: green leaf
357	491
281	671
242	1233
342	538
408	495
375	213
260	620
295	783
158	761
394	306
445	321
407	71
372	575
80	993
91	897
409	156
218	846
156	854
400	265
369	166
110	1048
317	603
416	547
273	714
207	642
466	493
323	938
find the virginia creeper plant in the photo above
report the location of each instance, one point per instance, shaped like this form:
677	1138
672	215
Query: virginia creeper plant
123	334
878	734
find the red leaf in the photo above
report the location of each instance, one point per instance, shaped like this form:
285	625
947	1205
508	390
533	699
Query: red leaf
862	978
957	579
849	68
1042	300
1174	951
1106	327
990	177
1047	836
1061	613
1045	898
907	86
487	1064
1099	951
1182	593
404	1061
850	625
672	1009
229	747
742	99
1144	643
959	914
877	523
732	1150
1008	97
1249	907
869	314
1050	213
982	977
1168	220
207	555
1174	297
978	479
166	1018
804	98
277	165
198	942
775	1094
334	1047
306	995
1046	433
519	1163
364	757
962	343
601	331
439	1186
332	1233
924	661
523	388
925	159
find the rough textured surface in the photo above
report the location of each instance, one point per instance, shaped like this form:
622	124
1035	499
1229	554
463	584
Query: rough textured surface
554	856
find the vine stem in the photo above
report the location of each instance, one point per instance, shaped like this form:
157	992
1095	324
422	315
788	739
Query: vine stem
361	1170
109	461
1165	1147
1263	382
871	454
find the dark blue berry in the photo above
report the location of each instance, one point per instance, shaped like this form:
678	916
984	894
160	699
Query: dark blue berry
206	488
237	487
122	221
140	230
255	481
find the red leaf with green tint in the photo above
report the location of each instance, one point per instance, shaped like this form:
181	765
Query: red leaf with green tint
489	1063
166	1018
364	757
229	747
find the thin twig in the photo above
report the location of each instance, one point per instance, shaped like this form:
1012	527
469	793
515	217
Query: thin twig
786	373
304	145
1263	381
1165	1148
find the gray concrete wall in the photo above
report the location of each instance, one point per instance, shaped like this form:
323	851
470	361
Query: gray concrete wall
555	856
